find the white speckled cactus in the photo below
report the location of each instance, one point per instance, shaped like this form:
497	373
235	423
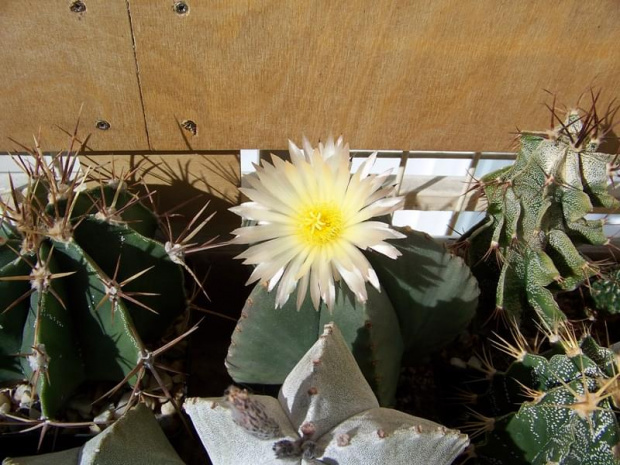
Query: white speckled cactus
325	413
537	216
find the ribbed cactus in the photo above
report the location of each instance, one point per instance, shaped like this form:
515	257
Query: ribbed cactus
84	287
325	413
536	217
552	408
134	438
428	296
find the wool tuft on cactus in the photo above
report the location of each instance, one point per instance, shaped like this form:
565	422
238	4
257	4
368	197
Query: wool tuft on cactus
536	216
85	288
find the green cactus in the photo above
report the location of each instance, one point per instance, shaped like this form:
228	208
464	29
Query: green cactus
536	217
428	296
84	286
605	292
325	413
556	408
134	438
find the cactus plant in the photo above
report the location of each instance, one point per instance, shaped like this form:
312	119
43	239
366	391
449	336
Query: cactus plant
557	407
325	413
536	216
84	286
428	297
387	295
605	292
135	438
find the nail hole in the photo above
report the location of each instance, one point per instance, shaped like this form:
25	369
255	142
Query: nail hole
190	126
181	8
102	124
78	7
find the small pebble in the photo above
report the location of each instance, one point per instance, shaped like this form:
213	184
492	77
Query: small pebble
104	417
5	404
167	409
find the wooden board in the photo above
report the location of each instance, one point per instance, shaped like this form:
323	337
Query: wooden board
423	74
54	60
405	74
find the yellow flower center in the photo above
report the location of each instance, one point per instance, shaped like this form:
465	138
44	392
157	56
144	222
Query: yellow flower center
320	224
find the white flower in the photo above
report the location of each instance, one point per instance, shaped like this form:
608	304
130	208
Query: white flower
312	219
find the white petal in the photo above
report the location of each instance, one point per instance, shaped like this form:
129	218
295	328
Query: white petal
387	249
356	256
379	208
326	282
274	280
257	212
374	279
267	269
264	232
367	165
270	250
355	282
308	150
302	289
315	291
370	233
297	156
288	282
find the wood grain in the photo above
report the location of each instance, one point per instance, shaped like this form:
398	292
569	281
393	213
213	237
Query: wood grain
54	60
423	74
410	75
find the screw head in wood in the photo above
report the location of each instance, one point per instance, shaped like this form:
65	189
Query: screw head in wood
77	6
190	126
181	8
102	125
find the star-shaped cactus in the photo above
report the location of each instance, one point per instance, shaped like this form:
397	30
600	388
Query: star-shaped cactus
325	413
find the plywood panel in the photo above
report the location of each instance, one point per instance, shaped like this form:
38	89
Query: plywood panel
53	60
423	74
183	184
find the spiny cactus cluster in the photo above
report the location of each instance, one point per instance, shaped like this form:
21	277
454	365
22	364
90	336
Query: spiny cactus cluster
536	216
84	286
555	407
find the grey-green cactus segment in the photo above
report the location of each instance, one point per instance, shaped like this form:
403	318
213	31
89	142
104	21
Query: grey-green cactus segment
325	413
553	409
428	297
84	288
268	342
134	438
433	292
536	218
